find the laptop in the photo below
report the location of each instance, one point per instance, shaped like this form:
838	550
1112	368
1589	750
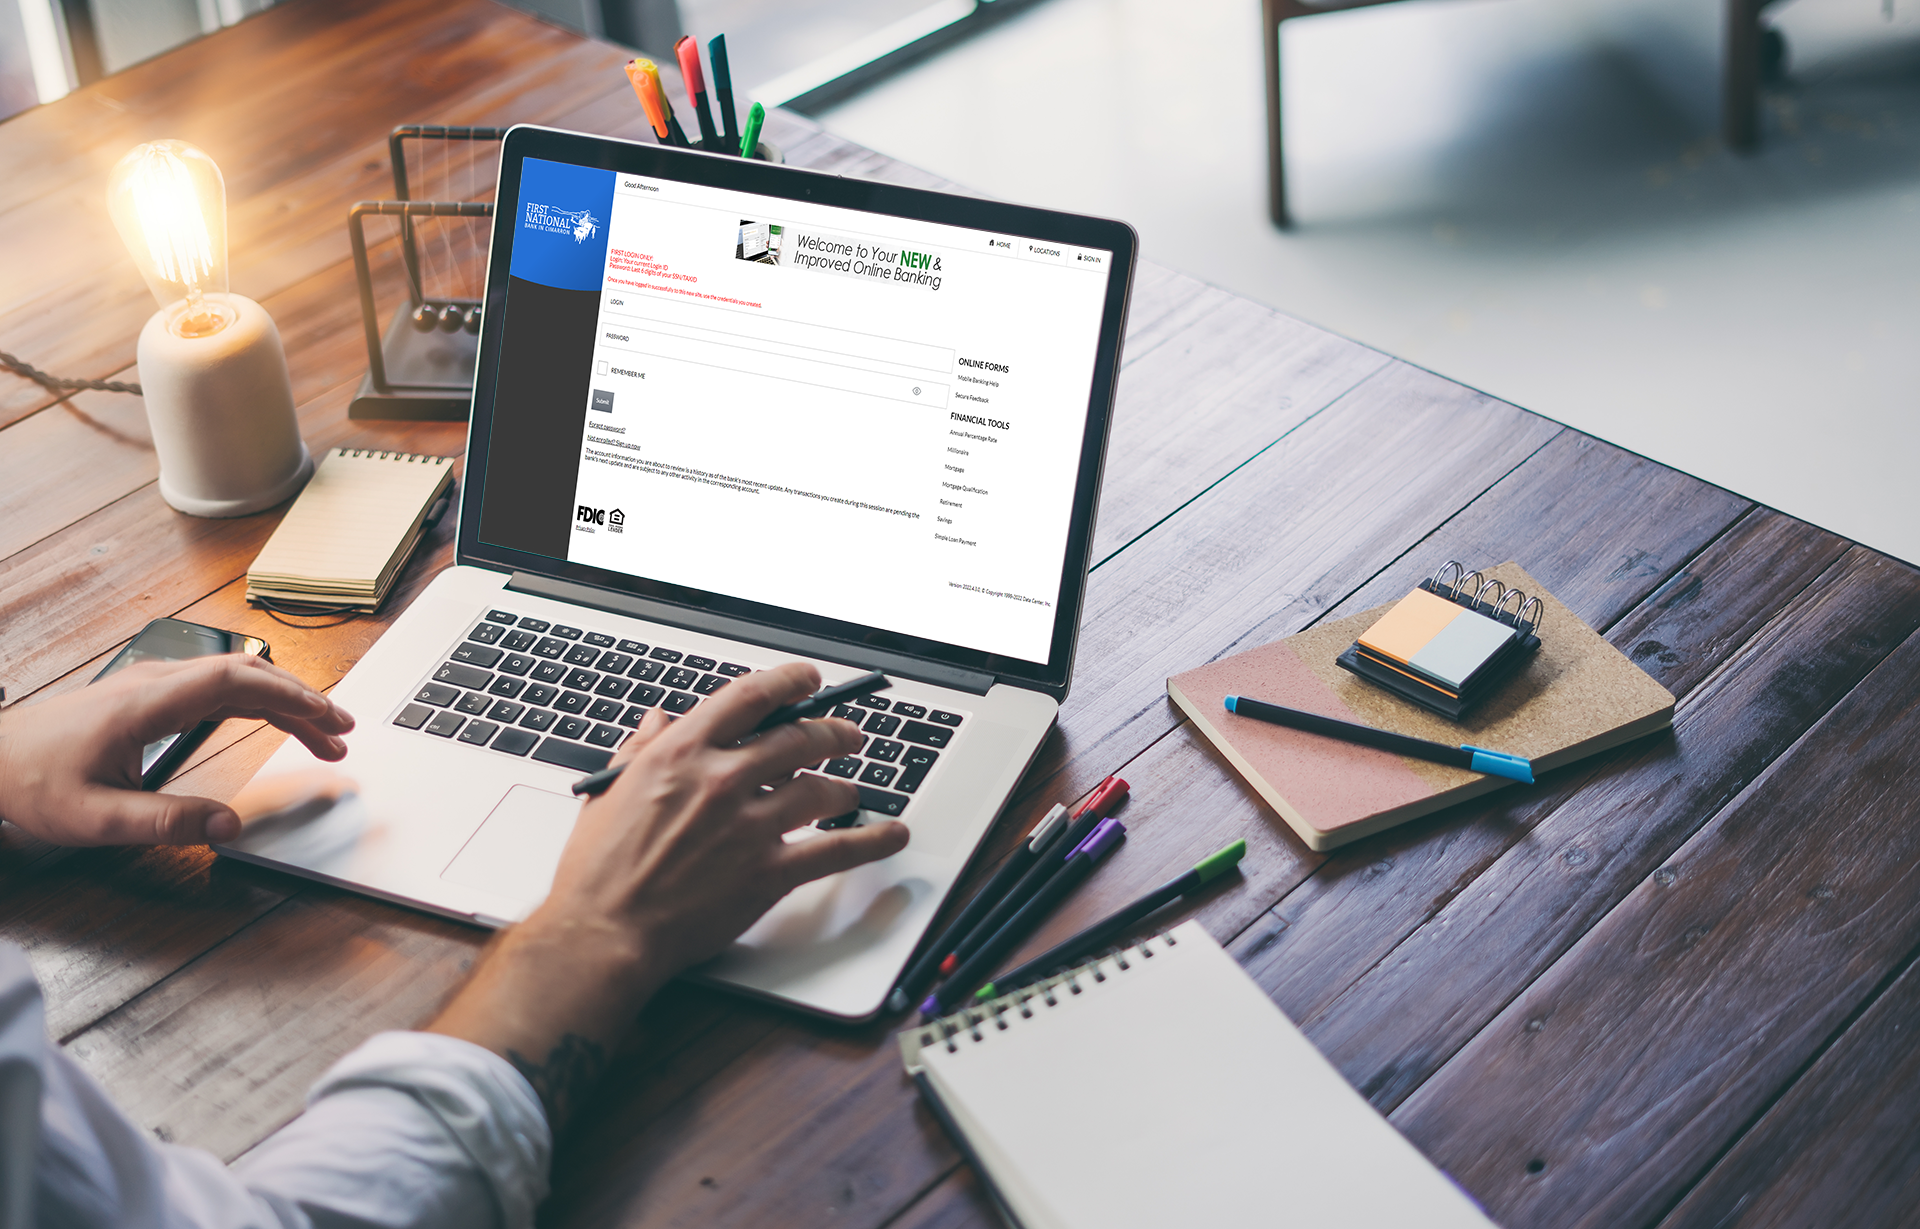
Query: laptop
728	415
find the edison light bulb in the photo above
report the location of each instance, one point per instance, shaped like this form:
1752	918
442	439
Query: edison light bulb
211	364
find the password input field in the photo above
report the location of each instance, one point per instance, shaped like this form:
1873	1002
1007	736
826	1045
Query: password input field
841	375
774	335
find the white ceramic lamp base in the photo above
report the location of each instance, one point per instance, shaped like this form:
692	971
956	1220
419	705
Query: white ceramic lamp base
221	409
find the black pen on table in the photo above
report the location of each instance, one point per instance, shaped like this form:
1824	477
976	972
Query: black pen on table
1052	826
723	92
1100	804
819	704
1477	759
1102	932
958	988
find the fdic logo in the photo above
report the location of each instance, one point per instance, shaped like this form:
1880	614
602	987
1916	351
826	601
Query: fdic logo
579	222
600	516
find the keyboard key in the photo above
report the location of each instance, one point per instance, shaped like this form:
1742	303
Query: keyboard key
539	719
612	663
883	724
445	724
665	654
606	735
849	713
911	776
680	702
517	663
500	616
646	671
474	703
413	716
604	710
632	716
519	642
508	687
572	702
844	766
879	800
534	625
582	680
613	688
550	671
927	735
506	711
700	663
515	742
850	820
572	755
681	678
582	655
940	718
478	732
874	702
710	683
734	671
479	655
920	757
437	695
632	646
647	695
600	640
540	694
462	676
549	648
886	750
878	774
911	711
487	633
572	727
566	633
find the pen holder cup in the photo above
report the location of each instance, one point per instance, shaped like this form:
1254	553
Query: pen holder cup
765	152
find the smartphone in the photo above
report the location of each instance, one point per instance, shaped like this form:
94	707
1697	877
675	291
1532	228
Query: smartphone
175	640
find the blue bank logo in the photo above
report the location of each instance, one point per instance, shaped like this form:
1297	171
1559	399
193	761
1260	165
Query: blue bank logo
580	223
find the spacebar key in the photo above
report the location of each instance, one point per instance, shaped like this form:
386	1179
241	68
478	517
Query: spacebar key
571	755
881	801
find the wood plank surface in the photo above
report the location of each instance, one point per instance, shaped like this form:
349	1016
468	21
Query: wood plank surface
1670	985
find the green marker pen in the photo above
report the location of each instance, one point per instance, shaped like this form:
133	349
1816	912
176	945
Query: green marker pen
1101	933
750	139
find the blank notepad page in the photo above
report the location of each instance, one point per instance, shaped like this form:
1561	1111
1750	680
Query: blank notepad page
1175	1093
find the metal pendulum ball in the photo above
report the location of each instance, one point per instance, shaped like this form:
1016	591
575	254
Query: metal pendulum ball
426	318
473	318
451	318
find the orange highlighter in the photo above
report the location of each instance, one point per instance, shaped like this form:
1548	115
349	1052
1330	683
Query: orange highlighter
645	77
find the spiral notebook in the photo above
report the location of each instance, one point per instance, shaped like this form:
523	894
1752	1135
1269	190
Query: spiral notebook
345	540
1159	1086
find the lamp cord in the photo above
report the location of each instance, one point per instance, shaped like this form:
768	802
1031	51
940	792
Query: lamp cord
60	384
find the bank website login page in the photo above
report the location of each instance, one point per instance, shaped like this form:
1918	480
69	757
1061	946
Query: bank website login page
855	416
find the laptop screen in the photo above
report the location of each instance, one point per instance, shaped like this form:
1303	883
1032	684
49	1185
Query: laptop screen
873	420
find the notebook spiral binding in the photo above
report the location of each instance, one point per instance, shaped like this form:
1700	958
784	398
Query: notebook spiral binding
972	1022
380	454
1495	608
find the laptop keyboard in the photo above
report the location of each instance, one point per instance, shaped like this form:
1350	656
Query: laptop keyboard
567	696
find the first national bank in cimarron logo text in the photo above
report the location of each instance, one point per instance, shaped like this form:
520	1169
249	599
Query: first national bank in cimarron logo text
580	223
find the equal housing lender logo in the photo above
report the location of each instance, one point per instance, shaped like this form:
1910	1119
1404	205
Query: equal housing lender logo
580	223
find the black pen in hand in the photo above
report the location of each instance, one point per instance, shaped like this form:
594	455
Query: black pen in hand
819	704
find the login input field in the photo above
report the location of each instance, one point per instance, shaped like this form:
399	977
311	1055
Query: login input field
773	335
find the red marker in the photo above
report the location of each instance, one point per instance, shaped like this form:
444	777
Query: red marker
689	53
1102	803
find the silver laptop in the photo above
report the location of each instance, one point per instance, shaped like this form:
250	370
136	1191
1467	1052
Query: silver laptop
729	415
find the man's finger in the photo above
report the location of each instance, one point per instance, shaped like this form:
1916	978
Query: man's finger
801	800
729	715
784	750
132	817
182	699
651	727
833	852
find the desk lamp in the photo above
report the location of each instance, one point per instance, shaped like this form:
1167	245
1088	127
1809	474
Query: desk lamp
211	364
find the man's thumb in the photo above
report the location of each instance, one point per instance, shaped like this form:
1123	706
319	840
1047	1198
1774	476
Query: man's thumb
138	818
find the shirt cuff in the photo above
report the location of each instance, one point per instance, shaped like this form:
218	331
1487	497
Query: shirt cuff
485	1105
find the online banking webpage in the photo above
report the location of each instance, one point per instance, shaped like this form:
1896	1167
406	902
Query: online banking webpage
860	417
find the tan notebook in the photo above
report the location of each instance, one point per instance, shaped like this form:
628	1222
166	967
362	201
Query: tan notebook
1577	697
1160	1087
346	538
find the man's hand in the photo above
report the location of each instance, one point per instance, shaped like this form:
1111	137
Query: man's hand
70	767
679	856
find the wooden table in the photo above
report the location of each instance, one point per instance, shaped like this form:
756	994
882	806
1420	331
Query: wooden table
1672	985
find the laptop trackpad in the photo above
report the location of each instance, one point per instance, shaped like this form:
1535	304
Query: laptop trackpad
514	853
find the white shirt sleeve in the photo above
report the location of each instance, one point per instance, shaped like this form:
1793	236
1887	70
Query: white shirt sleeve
410	1131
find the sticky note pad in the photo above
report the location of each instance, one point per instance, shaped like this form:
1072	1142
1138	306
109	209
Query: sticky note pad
1438	639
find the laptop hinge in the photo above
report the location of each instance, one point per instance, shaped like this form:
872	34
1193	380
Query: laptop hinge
974	682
